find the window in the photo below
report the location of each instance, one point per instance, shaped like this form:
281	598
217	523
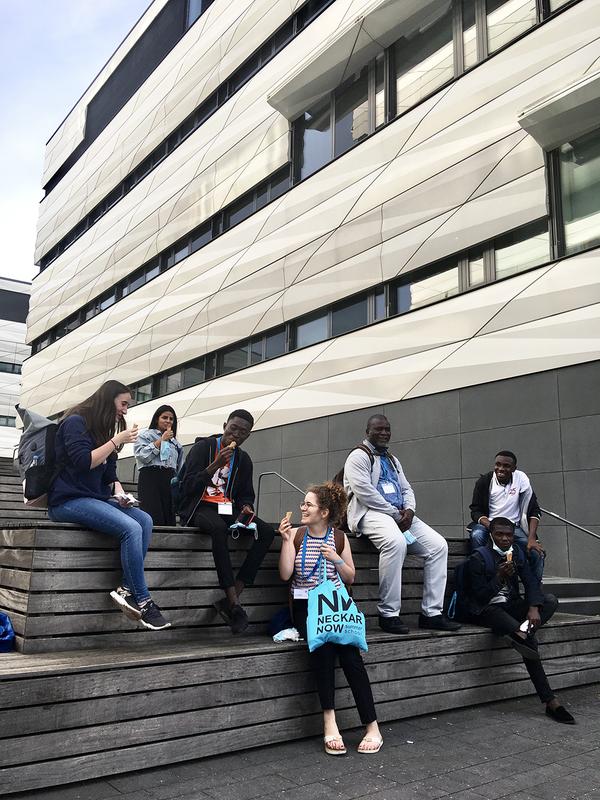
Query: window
170	381
313	140
232	359
350	315
580	191
8	422
427	290
240	210
202	236
143	392
352	112
193	373
469	33
554	4
424	57
507	19
275	343
313	329
279	184
379	304
380	101
195	9
8	366
521	249
476	272
257	350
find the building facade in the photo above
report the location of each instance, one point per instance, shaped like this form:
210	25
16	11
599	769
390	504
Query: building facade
317	208
14	304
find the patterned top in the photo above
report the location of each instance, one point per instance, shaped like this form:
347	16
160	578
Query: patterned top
310	576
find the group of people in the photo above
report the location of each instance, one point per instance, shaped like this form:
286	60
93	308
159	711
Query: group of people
216	495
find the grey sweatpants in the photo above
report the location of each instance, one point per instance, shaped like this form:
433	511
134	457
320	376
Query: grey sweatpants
389	540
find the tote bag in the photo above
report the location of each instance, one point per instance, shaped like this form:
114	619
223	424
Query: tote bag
333	616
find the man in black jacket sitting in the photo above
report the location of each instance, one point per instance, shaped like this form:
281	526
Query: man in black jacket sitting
216	490
494	601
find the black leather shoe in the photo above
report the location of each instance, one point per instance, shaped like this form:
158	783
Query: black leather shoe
525	647
560	714
439	622
392	625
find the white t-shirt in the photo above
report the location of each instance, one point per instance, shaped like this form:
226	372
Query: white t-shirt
505	499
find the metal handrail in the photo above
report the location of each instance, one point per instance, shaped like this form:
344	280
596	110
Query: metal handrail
285	480
568	522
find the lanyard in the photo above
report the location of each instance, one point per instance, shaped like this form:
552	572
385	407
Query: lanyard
317	562
231	463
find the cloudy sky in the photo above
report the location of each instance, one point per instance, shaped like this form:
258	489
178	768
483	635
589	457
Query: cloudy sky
51	51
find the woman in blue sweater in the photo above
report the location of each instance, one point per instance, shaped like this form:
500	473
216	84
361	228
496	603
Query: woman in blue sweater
87	441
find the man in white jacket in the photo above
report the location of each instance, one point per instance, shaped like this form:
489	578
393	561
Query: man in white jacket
382	507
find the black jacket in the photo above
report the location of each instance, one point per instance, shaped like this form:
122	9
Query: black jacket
480	505
196	478
482	585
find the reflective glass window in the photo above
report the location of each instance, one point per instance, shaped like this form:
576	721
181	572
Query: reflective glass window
352	112
8	422
170	382
280	184
424	55
275	343
313	139
506	19
143	392
312	330
379	305
476	269
202	236
380	104
580	189
181	250
426	291
522	249
349	316
193	373
554	4
256	350
469	33
232	359
240	210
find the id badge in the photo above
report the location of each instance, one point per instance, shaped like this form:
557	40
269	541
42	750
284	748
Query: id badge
225	508
388	488
300	594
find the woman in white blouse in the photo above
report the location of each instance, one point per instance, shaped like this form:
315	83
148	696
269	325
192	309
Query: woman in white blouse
159	456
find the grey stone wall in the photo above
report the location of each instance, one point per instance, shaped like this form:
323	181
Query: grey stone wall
551	420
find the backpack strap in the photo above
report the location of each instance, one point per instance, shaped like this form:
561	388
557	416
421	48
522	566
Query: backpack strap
366	450
300	533
488	559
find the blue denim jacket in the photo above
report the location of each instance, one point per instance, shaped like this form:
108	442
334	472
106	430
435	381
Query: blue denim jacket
147	455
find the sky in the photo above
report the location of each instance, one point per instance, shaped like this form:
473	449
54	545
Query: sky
51	51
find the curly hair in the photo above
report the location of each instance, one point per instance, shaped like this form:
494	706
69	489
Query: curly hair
331	497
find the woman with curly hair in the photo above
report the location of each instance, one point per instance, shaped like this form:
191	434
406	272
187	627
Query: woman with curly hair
303	551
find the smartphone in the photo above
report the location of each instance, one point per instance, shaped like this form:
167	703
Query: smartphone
245	518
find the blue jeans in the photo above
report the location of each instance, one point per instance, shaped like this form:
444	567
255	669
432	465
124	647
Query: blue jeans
480	537
132	526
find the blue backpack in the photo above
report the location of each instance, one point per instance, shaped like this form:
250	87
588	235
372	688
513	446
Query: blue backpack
458	607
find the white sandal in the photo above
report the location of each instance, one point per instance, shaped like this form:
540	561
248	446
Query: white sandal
334	751
378	740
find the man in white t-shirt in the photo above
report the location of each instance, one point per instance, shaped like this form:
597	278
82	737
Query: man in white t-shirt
507	492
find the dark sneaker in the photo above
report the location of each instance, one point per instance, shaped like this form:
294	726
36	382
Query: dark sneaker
239	619
525	647
224	609
392	625
151	617
439	622
126	602
560	714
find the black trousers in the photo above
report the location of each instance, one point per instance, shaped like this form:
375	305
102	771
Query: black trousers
505	618
154	494
208	520
323	661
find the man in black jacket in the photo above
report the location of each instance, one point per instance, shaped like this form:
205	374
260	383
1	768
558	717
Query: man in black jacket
507	492
216	489
494	601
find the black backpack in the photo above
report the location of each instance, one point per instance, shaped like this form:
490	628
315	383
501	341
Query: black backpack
36	458
458	606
